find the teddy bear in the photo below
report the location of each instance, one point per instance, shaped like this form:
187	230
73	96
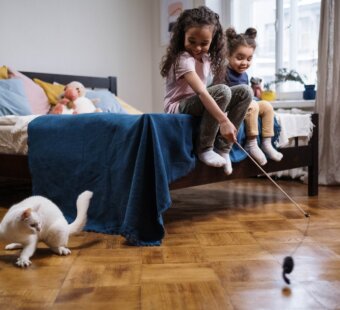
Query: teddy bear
65	104
73	101
255	83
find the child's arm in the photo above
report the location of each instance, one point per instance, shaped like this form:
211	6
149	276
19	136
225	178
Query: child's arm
227	128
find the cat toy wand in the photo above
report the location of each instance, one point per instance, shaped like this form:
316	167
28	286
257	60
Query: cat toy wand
288	262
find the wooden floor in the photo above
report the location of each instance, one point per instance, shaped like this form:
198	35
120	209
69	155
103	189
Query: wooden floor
223	249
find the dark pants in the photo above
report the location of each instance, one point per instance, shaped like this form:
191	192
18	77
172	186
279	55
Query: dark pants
233	100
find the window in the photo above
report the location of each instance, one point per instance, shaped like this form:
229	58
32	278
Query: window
287	35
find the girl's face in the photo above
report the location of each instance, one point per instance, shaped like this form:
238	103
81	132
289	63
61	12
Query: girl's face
241	59
197	41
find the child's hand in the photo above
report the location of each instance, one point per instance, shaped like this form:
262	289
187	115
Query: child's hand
228	131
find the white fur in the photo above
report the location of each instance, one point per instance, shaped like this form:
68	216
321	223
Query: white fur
39	219
66	110
84	105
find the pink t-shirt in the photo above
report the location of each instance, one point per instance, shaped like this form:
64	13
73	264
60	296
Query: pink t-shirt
176	86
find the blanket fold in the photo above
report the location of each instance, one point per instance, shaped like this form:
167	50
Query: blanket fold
126	160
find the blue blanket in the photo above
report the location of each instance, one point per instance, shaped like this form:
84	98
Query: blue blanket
128	162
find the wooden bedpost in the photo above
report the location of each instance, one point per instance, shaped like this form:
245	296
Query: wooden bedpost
113	84
313	167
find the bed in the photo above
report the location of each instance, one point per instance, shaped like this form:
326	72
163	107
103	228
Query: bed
133	186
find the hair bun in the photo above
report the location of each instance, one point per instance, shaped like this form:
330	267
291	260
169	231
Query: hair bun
251	33
230	33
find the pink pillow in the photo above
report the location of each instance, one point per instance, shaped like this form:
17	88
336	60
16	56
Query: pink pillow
35	94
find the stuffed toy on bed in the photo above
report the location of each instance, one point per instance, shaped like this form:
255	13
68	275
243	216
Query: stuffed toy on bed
73	101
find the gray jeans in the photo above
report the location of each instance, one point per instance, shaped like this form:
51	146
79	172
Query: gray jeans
233	100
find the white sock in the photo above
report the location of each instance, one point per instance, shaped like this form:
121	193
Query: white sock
227	168
269	150
211	158
253	149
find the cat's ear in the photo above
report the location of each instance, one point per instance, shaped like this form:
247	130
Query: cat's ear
26	214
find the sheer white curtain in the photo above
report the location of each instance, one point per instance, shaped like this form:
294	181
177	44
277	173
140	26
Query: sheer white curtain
328	93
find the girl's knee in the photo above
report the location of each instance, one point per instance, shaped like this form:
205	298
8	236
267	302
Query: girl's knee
221	94
248	92
244	92
266	107
224	91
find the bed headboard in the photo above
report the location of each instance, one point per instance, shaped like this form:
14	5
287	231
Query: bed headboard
109	83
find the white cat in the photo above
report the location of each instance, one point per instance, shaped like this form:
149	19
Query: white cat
39	219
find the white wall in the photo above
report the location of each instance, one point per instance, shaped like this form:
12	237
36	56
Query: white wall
84	37
89	37
158	83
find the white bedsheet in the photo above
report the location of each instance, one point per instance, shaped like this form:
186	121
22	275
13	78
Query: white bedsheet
13	133
294	123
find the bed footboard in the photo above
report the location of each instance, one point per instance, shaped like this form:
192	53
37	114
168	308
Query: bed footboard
16	166
297	156
313	167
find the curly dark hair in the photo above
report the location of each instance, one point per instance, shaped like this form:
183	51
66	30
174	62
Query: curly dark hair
197	17
234	40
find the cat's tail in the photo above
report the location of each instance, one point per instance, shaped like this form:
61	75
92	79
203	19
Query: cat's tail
83	203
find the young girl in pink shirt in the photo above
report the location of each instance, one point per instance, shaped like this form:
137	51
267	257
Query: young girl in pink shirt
195	57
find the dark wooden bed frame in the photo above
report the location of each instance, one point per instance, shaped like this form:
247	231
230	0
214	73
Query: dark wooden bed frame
16	166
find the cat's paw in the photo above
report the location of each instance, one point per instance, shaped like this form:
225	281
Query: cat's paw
13	246
62	251
23	262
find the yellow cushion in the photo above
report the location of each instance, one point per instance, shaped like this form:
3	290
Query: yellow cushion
52	91
130	109
3	72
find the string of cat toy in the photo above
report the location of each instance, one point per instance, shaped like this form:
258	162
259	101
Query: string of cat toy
288	262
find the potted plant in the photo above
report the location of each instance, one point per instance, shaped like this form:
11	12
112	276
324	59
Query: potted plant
309	92
284	75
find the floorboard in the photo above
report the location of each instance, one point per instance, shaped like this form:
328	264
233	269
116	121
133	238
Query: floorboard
223	249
